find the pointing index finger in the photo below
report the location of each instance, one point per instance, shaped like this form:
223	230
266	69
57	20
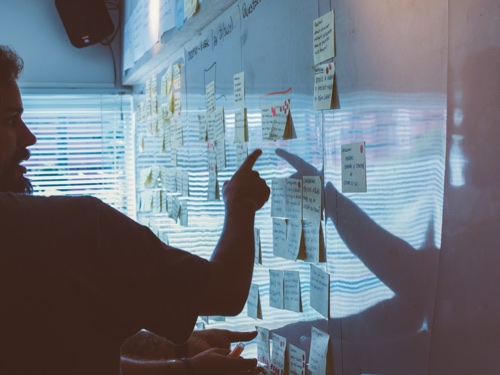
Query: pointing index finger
250	160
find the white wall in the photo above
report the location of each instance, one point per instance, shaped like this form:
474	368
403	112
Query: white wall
34	29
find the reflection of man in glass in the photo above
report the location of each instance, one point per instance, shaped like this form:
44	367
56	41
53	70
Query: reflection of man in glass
456	329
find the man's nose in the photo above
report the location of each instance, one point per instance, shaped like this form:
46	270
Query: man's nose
27	137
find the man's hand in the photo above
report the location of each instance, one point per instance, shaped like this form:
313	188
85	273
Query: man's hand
215	338
217	361
246	189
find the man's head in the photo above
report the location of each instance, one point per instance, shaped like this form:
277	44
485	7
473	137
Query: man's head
15	137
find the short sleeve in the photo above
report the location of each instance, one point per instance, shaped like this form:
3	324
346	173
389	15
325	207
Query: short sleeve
157	286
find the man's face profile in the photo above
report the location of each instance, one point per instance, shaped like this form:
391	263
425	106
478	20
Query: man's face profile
15	137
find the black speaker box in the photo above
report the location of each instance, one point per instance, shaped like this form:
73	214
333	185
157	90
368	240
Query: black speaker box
87	22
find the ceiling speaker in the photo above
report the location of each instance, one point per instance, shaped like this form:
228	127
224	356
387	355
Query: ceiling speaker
87	22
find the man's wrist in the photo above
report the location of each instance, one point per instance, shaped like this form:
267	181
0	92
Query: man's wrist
181	351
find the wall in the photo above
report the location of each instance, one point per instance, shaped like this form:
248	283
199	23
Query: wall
413	262
33	28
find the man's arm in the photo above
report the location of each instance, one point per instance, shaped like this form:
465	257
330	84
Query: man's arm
231	264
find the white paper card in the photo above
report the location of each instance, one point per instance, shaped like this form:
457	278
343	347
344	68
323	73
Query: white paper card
292	297
319	352
254	308
324	37
240	126
210	96
279	355
294	198
239	89
279	237
276	289
263	346
311	198
354	168
297	360
278	197
241	153
320	291
293	239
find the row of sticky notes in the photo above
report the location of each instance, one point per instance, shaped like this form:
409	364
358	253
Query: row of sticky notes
297	198
158	201
281	357
285	292
173	180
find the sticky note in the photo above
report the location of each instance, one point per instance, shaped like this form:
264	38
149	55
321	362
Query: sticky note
294	242
241	153
326	94
297	360
276	289
263	346
278	197
258	246
210	96
311	198
324	37
279	360
319	351
239	89
314	244
320	291
254	308
279	237
294	198
240	126
292	294
354	168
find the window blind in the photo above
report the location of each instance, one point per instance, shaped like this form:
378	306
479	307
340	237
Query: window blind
85	147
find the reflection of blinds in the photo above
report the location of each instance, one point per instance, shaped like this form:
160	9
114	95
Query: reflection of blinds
85	146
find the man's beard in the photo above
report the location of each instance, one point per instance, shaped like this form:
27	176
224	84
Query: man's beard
20	186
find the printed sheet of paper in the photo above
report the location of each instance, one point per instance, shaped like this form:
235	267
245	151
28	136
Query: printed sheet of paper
239	89
324	37
294	198
297	360
263	346
319	352
276	289
311	198
254	307
354	168
293	296
279	237
320	291
210	96
240	126
279	359
258	246
326	95
294	242
241	153
278	197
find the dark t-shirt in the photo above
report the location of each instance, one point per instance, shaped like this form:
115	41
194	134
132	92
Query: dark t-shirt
77	277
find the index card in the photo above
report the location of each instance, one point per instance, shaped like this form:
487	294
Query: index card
258	247
220	152
326	95
279	360
241	153
320	291
354	168
239	89
311	198
263	346
279	237
276	289
240	126
254	308
278	197
167	81
294	242
220	126
292	297
297	360
282	126
210	96
213	186
294	198
319	352
177	76
324	37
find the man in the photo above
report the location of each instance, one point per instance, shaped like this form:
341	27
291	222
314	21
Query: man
77	277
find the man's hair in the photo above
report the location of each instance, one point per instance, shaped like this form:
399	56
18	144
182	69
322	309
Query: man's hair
11	65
